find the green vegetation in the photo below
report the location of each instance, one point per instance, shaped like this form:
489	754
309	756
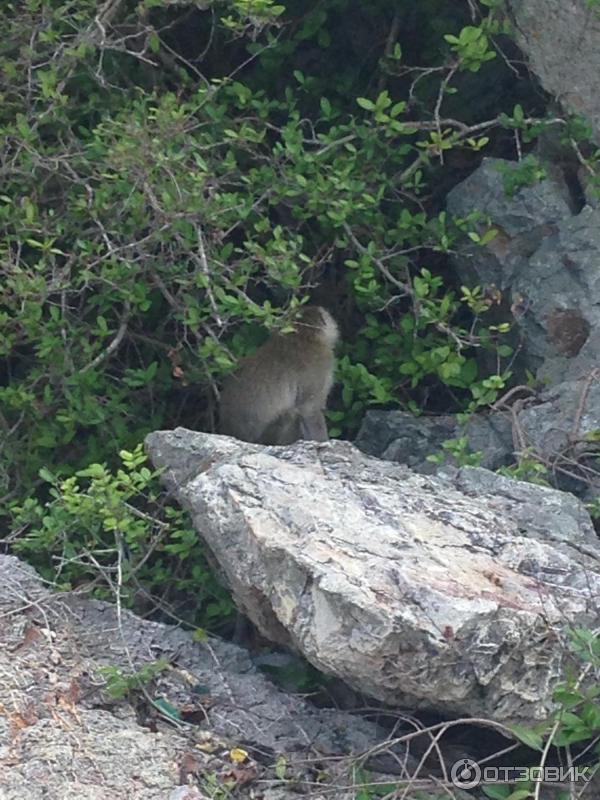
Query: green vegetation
528	469
460	452
176	178
120	684
113	532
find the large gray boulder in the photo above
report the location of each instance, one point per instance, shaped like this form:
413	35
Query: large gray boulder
420	591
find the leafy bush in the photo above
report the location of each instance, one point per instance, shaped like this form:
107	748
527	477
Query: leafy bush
173	176
112	531
571	733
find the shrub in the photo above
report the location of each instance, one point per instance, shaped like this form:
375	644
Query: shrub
173	176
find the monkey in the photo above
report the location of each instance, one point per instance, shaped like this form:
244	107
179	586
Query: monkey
278	395
288	427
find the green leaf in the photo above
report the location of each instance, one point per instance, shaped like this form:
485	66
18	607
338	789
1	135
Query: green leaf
520	794
363	102
528	737
154	42
166	708
496	792
46	475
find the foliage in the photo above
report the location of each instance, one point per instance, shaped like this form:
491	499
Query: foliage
593	508
472	47
579	714
528	468
112	530
120	684
527	173
406	354
177	177
459	450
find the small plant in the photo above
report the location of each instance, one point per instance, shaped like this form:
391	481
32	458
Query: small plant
527	172
112	531
472	48
217	787
367	787
593	508
120	684
458	449
527	469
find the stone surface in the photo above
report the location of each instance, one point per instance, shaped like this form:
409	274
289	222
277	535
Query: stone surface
561	39
402	437
539	512
61	736
522	221
561	431
416	591
547	268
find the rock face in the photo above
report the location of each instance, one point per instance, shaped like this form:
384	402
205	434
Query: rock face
546	262
562	41
62	737
402	437
447	593
558	428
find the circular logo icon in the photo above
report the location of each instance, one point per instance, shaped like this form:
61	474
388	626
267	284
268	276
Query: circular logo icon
465	774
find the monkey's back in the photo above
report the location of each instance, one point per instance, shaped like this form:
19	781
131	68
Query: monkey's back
288	372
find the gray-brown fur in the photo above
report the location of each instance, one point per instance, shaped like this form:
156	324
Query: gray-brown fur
278	394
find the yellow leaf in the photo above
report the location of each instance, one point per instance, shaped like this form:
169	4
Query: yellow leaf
237	755
207	747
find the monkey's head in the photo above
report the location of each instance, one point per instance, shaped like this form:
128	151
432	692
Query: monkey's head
317	322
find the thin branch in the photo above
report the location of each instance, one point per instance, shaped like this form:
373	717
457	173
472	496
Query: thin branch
438	105
114	344
389	46
403	286
583	401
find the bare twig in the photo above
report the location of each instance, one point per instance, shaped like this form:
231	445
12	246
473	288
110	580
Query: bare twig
502	402
389	47
438	106
114	344
593	376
